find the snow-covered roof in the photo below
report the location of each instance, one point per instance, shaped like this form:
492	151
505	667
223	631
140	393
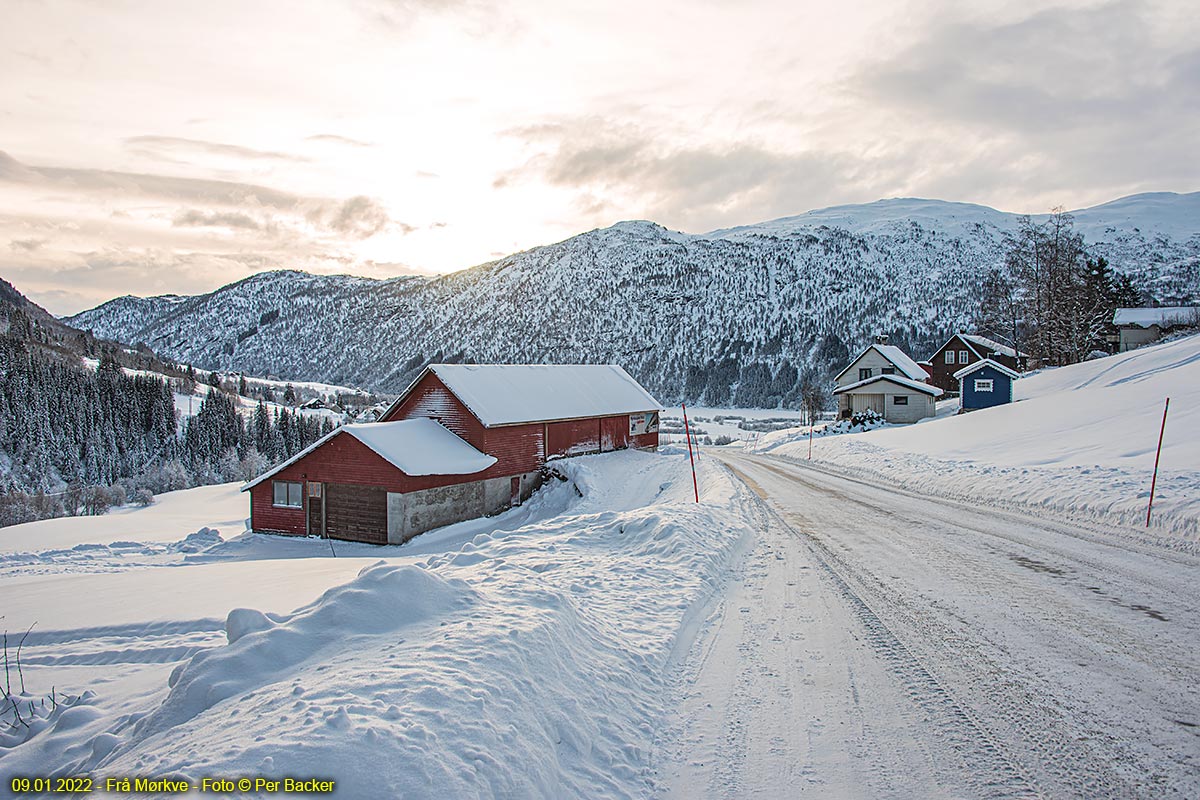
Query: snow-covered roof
414	446
1162	317
511	394
989	345
987	362
899	380
896	356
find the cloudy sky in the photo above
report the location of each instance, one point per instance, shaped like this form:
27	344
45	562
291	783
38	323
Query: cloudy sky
150	147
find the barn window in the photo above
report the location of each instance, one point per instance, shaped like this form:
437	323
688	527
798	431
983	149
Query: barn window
963	355
864	373
900	400
289	494
888	371
949	356
983	384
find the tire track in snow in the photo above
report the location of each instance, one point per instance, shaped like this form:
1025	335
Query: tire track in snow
160	642
963	745
1061	681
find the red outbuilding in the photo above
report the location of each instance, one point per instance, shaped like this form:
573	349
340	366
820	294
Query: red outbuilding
462	441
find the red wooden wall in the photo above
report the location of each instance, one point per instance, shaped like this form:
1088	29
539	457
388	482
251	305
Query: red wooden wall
572	437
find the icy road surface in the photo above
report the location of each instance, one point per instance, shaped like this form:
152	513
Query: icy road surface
878	643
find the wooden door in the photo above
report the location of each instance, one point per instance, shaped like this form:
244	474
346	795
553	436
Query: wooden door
356	513
316	509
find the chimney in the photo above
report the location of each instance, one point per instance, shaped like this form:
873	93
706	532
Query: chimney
881	338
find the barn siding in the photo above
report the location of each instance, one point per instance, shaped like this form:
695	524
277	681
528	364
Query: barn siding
430	398
265	516
517	448
644	441
573	437
614	433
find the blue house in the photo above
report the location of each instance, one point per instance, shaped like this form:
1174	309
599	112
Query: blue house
985	384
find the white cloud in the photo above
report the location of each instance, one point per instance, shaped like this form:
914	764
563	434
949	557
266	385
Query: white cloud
301	133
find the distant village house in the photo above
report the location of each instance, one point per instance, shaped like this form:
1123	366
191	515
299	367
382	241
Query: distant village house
1140	326
964	349
884	379
984	384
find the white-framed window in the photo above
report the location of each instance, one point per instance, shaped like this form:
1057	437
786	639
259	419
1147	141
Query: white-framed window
864	373
289	494
949	356
888	371
963	356
900	400
983	384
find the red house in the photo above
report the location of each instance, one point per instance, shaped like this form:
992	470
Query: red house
963	349
462	441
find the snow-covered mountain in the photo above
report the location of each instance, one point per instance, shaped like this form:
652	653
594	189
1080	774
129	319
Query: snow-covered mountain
732	316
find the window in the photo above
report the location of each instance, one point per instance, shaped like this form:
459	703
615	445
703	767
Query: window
864	373
888	371
289	494
963	355
900	400
949	356
983	384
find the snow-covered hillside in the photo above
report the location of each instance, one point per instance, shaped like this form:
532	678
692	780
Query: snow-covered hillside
729	317
1079	439
525	655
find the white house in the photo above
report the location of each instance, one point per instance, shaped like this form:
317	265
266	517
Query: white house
1139	326
884	379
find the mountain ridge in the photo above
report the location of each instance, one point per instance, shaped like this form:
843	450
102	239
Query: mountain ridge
736	315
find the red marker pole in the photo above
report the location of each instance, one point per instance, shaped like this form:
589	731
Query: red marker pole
1154	480
687	434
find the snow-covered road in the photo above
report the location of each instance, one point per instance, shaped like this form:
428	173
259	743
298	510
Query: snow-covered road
879	643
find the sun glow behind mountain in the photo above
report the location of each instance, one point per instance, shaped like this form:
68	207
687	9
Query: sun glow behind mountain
153	148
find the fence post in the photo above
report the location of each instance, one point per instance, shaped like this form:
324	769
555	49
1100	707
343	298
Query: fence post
1157	454
687	434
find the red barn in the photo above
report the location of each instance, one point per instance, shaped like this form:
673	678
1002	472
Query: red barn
462	441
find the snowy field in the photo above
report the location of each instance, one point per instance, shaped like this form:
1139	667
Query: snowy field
743	424
898	618
523	655
1079	440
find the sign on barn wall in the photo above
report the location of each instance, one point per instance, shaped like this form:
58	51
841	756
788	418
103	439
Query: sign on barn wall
643	423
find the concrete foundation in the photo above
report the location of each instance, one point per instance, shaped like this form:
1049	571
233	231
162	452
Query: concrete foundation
414	513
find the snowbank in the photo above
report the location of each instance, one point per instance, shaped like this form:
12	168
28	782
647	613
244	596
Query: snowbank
527	662
1079	440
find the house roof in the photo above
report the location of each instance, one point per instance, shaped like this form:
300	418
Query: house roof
981	346
989	346
987	362
899	380
512	394
896	356
1162	317
414	446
